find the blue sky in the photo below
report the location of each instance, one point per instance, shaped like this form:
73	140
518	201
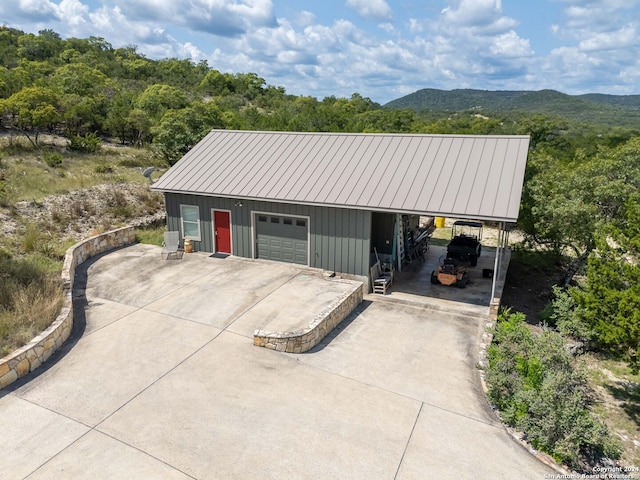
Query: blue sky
381	49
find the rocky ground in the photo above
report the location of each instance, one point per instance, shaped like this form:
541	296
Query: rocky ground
83	213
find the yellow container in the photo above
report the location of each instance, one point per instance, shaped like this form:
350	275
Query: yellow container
188	247
439	222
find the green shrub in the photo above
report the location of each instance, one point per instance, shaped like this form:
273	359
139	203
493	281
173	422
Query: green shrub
37	242
87	143
561	314
53	159
32	238
119	205
150	235
538	389
103	168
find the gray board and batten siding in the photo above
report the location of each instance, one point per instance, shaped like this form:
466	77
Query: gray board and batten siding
476	177
339	238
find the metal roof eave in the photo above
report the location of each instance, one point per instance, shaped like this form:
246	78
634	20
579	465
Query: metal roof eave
351	207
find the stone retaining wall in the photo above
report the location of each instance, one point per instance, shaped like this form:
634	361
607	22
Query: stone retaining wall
299	341
29	357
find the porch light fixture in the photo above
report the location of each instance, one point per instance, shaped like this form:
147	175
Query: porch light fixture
238	203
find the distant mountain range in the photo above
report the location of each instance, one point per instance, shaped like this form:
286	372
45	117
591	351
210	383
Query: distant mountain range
620	110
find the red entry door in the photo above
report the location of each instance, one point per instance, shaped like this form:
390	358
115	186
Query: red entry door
222	231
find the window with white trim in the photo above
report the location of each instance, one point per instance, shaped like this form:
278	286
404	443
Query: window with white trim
190	217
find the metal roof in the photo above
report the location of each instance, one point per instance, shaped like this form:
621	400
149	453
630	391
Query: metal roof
459	176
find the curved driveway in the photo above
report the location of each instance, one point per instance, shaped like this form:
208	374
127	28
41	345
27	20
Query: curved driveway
161	380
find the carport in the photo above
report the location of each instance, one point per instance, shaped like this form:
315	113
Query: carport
412	272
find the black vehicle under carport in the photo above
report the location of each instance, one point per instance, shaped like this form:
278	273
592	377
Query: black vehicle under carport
465	241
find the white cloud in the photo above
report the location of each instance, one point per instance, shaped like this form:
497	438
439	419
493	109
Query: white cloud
387	27
109	21
510	45
305	18
624	37
39	8
376	9
73	12
473	12
104	19
601	45
225	18
479	17
569	60
415	26
585	18
187	50
474	43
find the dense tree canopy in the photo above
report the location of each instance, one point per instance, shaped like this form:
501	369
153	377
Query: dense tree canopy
609	300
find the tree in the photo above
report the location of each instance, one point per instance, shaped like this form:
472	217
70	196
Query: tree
84	93
249	85
80	79
180	130
140	125
564	204
14	80
83	114
46	45
609	300
158	98
118	121
544	130
9	46
391	121
31	110
216	84
180	73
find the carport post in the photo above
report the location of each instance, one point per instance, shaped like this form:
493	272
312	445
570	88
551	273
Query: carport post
498	261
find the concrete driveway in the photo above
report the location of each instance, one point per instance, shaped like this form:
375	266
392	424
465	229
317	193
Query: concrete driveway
161	380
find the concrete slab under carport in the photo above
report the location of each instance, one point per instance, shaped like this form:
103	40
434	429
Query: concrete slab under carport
413	284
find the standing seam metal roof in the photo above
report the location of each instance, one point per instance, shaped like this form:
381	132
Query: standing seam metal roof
460	176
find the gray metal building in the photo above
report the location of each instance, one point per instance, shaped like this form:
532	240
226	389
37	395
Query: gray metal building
325	199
